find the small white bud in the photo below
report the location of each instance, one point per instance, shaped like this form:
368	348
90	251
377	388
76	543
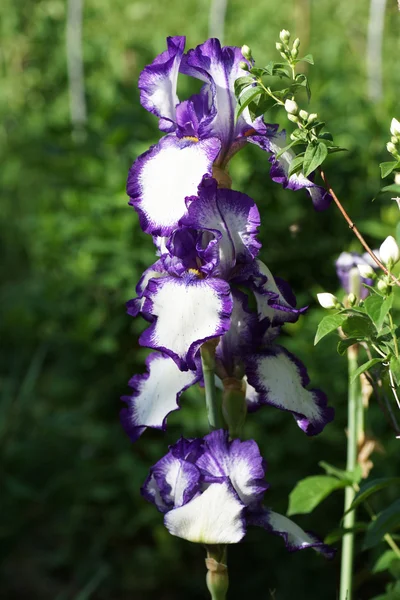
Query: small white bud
394	139
284	36
327	300
382	286
279	46
246	51
243	65
303	114
283	55
294	53
389	252
312	117
397	178
296	43
391	147
291	107
395	127
293	118
352	299
366	271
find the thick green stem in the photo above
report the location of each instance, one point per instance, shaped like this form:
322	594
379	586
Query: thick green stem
217	573
213	406
353	430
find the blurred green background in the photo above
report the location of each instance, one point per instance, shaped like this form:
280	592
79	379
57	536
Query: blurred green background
73	525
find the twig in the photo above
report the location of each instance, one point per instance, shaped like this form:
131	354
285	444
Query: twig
355	230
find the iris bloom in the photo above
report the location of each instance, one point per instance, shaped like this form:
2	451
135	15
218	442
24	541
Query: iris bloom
190	295
201	132
211	490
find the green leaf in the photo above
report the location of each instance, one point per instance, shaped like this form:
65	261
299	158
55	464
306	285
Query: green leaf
347	476
371	487
372	305
245	99
359	326
310	492
337	534
395	368
384	562
308	58
296	164
385	522
392	188
314	156
294	143
241	83
329	324
301	80
343	345
387	168
367	365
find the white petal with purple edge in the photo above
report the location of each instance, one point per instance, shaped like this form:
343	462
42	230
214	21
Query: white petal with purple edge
188	312
178	480
214	517
294	536
280	380
155	394
275	314
162	178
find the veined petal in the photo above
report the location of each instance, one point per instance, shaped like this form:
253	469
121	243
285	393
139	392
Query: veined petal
134	306
155	395
158	81
294	536
234	215
178	480
241	462
280	169
188	312
280	380
161	178
214	517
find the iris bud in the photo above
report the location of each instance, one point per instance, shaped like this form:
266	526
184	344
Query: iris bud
291	107
327	300
389	252
395	127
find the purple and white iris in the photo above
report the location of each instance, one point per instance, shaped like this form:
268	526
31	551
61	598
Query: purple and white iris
211	490
201	133
191	295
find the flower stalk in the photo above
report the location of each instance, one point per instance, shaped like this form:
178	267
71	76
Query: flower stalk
217	572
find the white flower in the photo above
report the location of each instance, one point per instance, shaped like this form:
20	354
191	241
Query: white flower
366	271
395	127
389	251
291	107
327	300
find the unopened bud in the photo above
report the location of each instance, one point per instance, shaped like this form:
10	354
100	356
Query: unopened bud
284	36
382	286
296	43
294	53
312	117
291	107
391	147
246	51
352	299
366	271
327	300
303	115
389	252
293	118
394	139
395	127
279	46
283	55
243	65
397	178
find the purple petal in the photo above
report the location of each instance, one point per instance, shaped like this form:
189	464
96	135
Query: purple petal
155	395
234	215
280	169
241	462
280	380
214	517
187	313
158	81
295	538
135	306
350	260
162	178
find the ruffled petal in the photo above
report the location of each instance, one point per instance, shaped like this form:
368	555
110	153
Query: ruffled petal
280	169
294	536
135	306
188	312
280	380
241	462
158	81
234	215
214	517
162	178
155	395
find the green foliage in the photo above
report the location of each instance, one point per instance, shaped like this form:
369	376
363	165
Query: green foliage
387	521
371	487
311	491
329	324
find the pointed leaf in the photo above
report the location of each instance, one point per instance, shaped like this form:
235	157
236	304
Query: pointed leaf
385	561
367	365
395	368
344	345
329	324
314	157
310	492
387	168
385	522
371	487
245	99
348	476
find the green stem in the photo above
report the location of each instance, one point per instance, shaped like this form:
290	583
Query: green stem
214	415
353	429
393	332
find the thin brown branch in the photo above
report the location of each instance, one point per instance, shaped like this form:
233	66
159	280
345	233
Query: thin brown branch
355	230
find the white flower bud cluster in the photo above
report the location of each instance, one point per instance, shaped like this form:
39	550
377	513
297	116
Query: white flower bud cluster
394	145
